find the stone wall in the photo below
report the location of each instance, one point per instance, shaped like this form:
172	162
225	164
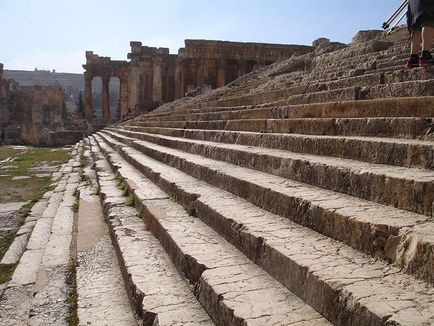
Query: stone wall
45	110
154	76
28	114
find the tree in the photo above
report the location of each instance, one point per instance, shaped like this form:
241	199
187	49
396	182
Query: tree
80	107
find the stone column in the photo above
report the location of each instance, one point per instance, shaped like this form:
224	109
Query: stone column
135	84
88	96
106	99
221	73
179	80
123	96
199	72
157	83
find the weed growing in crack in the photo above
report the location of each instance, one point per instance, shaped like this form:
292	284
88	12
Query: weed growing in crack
121	184
191	209
129	201
6	271
72	299
174	198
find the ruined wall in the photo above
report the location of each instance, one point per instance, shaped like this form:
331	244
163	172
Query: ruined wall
45	111
28	114
154	76
217	63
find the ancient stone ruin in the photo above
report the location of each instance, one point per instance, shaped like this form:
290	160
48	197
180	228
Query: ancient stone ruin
33	114
153	76
299	194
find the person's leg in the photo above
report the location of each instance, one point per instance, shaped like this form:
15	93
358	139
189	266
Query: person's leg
427	37
416	40
426	58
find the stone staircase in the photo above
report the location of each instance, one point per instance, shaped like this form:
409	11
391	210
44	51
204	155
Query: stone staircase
301	194
324	181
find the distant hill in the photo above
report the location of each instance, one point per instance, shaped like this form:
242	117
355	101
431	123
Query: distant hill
73	84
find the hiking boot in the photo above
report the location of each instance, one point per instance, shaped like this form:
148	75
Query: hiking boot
413	62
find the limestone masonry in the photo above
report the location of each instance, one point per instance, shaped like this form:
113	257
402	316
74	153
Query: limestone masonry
300	193
153	76
31	114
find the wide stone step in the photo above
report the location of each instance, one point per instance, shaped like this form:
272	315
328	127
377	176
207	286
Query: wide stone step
388	107
231	288
406	75
402	89
366	226
409	189
261	121
101	295
398	152
397	66
158	293
325	273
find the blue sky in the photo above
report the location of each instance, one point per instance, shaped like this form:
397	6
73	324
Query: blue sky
54	34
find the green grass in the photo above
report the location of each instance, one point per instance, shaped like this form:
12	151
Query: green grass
121	184
6	272
75	208
129	201
28	189
32	156
191	209
72	299
5	242
174	198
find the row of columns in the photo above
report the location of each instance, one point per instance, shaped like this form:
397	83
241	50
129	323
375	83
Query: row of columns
200	70
123	97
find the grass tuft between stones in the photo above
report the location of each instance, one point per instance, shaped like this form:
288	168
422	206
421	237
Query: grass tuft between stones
72	299
130	200
191	209
6	272
5	243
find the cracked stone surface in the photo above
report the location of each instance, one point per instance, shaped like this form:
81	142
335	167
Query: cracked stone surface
163	296
201	252
101	295
15	305
49	305
409	188
276	243
364	225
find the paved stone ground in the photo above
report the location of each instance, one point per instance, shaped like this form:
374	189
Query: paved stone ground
9	217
